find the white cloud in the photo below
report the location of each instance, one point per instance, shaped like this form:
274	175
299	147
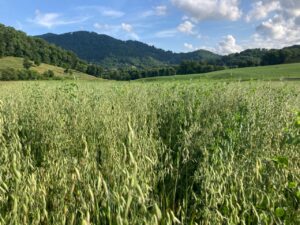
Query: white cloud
210	9
117	30
160	10
128	28
189	46
228	46
281	29
261	9
112	13
291	7
104	11
50	20
186	27
278	32
106	27
166	33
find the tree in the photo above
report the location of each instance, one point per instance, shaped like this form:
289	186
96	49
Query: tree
48	74
37	61
27	64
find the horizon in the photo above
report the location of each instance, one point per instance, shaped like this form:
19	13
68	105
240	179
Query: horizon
222	27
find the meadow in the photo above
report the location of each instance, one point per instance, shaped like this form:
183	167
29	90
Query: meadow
268	73
93	152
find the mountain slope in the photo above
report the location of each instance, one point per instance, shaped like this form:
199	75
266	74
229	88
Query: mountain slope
111	52
17	63
18	44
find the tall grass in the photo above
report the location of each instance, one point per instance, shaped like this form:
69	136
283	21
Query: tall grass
127	153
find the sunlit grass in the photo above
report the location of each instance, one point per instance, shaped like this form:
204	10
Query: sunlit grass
154	153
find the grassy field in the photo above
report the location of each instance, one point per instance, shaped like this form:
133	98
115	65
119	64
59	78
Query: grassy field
276	72
17	63
86	152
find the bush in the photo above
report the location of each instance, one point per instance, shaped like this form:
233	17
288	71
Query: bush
48	74
27	64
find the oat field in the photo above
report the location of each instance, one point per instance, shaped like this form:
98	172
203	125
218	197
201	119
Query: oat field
82	152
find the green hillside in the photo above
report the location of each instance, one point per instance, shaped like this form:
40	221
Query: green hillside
19	44
17	63
113	53
276	72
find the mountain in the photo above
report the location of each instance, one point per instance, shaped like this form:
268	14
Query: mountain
18	44
110	52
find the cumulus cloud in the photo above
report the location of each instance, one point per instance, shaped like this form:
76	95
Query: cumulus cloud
188	46
128	28
261	9
278	32
50	20
228	46
210	9
118	29
281	29
186	27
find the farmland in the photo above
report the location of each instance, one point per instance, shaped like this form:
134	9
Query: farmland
83	152
274	72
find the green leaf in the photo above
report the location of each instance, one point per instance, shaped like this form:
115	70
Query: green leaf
298	194
279	212
281	161
292	185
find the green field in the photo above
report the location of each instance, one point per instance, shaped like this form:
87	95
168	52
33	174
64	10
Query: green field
88	152
276	72
17	63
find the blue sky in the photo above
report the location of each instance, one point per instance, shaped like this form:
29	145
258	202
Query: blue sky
222	26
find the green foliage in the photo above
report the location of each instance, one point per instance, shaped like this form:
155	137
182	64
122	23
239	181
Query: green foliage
18	44
283	72
112	53
154	153
10	74
115	54
27	64
49	74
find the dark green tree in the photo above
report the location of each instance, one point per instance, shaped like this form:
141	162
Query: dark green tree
27	64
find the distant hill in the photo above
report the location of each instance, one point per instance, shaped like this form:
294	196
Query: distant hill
110	52
18	44
263	57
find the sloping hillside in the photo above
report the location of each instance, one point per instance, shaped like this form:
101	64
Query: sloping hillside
18	44
111	52
17	63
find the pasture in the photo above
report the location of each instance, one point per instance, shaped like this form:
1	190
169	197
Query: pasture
268	73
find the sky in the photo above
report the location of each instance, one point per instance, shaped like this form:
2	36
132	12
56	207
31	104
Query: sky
221	26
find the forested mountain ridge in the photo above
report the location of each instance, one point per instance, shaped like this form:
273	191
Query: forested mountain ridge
113	53
18	44
129	60
110	52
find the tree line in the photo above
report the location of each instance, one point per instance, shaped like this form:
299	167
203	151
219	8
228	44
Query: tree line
10	74
18	44
185	67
